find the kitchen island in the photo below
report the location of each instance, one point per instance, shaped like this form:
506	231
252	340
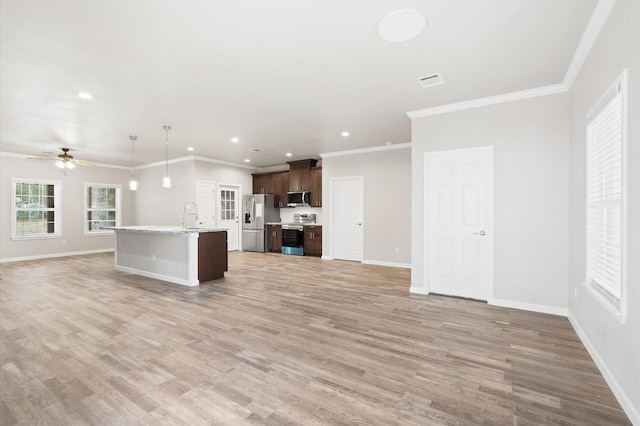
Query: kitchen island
171	253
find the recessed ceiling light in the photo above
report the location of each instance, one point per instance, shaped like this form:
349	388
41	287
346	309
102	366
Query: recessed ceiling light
402	25
85	95
235	140
288	154
344	134
246	160
191	148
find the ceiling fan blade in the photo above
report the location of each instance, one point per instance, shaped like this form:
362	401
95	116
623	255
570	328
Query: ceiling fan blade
65	157
82	162
43	158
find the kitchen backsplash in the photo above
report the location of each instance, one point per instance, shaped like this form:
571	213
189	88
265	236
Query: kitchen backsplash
286	215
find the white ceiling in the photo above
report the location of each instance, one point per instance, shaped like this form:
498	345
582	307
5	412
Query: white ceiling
283	76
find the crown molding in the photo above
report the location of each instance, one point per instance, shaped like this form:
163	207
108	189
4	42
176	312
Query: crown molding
589	37
226	163
28	156
162	163
142	166
491	100
592	31
193	158
366	150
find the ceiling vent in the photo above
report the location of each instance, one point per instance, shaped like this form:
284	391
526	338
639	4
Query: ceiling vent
431	80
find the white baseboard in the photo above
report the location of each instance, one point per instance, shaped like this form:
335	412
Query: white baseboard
392	264
156	276
326	257
48	256
621	396
418	290
543	309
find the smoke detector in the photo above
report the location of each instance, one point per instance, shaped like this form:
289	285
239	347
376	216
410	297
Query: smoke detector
431	80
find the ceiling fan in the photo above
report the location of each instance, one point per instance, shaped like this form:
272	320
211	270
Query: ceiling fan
65	160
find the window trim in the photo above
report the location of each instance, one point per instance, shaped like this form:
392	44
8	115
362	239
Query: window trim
617	308
86	209
57	210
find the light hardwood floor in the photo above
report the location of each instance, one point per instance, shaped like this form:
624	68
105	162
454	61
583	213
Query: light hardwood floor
281	340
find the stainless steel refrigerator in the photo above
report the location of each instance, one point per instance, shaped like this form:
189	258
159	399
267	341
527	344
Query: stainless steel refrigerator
257	211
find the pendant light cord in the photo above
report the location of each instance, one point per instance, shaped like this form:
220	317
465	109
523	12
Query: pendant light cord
166	149
133	152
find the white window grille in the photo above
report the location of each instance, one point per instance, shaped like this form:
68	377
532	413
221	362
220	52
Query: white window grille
606	196
102	207
35	209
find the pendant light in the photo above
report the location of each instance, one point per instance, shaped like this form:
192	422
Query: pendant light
133	184
166	181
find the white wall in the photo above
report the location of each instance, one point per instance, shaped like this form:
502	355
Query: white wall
156	205
225	174
73	239
615	346
531	163
151	204
387	202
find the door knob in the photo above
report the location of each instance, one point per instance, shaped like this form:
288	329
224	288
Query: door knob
481	233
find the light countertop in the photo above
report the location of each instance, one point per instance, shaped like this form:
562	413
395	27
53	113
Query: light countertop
294	223
160	229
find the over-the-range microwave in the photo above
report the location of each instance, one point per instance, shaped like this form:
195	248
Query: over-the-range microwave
298	199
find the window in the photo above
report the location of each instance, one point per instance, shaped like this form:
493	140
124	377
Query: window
606	198
36	209
227	205
102	207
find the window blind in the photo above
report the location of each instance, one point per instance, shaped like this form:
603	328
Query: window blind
605	196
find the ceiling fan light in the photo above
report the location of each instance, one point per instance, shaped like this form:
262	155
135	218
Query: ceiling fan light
60	164
69	165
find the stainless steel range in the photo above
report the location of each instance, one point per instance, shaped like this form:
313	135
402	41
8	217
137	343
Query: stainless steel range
293	233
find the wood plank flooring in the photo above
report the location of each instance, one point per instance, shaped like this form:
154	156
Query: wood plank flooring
282	340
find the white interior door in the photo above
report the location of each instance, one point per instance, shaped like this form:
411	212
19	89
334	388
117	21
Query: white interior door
205	199
229	213
347	218
459	222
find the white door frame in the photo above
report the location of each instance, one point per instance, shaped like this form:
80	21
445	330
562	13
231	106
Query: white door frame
427	219
332	181
238	208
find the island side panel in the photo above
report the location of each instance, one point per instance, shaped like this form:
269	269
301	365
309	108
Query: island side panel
155	255
212	255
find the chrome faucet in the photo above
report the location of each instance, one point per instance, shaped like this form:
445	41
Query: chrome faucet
187	205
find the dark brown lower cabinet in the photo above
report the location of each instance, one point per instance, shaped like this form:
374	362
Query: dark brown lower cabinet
313	240
274	238
212	255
